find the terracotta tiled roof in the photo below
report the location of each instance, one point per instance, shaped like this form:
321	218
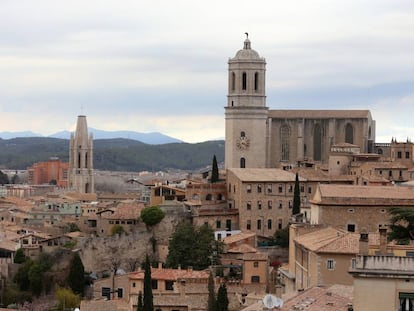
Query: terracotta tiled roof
255	256
263	174
242	249
125	211
367	195
319	114
331	240
238	237
171	274
334	298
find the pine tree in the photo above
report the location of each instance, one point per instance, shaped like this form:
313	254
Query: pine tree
214	171
211	293
148	298
222	303
140	306
76	275
296	197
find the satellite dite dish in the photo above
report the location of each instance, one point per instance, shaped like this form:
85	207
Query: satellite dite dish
270	302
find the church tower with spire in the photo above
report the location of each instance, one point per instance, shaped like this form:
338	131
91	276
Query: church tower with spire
81	175
246	112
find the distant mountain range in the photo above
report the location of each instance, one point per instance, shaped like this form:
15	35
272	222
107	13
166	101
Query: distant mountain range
153	138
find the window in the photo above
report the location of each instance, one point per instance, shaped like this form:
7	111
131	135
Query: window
350	227
134	284
280	188
280	204
244	81
259	204
290	204
249	188
256	264
351	210
120	292
219	236
233	81
269	204
256	81
154	284
169	285
302	188
242	134
399	155
259	188
106	292
284	142
269	188
330	264
290	189
255	279
259	224
248	225
406	301
228	224
218	224
280	223
249	205
407	154
309	189
269	224
349	134
242	163
353	263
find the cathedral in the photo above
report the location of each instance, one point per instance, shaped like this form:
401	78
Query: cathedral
81	176
258	137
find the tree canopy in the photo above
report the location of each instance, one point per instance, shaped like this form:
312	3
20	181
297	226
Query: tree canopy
148	302
152	215
191	246
222	303
76	277
402	225
296	197
214	171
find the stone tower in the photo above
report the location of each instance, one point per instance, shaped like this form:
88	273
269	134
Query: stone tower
81	178
246	111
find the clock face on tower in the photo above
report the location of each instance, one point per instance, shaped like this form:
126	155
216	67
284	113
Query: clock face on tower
242	143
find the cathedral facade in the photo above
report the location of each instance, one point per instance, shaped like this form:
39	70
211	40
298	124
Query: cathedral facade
81	175
257	137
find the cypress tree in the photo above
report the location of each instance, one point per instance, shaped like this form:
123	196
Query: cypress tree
211	294
148	298
296	197
222	303
140	306
214	171
76	278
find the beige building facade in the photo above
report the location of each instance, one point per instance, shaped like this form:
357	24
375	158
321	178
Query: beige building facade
257	137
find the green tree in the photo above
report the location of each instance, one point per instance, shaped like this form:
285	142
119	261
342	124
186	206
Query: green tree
296	197
222	303
190	246
281	237
214	171
36	274
402	225
117	229
15	179
148	303
211	293
140	306
22	276
152	215
76	277
67	298
19	256
4	179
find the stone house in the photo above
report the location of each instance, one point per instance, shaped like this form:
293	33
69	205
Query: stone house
357	208
383	283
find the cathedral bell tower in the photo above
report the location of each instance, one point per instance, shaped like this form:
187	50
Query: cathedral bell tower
246	112
81	178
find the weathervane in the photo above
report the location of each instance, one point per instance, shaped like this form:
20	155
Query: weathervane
247	35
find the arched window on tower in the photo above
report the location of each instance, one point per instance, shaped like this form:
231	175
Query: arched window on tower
79	160
233	81
244	81
349	133
317	143
242	163
242	134
284	142
256	81
86	160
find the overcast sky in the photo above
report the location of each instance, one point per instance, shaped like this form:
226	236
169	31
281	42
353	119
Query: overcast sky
161	66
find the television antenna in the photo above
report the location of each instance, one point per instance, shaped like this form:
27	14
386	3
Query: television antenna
270	302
